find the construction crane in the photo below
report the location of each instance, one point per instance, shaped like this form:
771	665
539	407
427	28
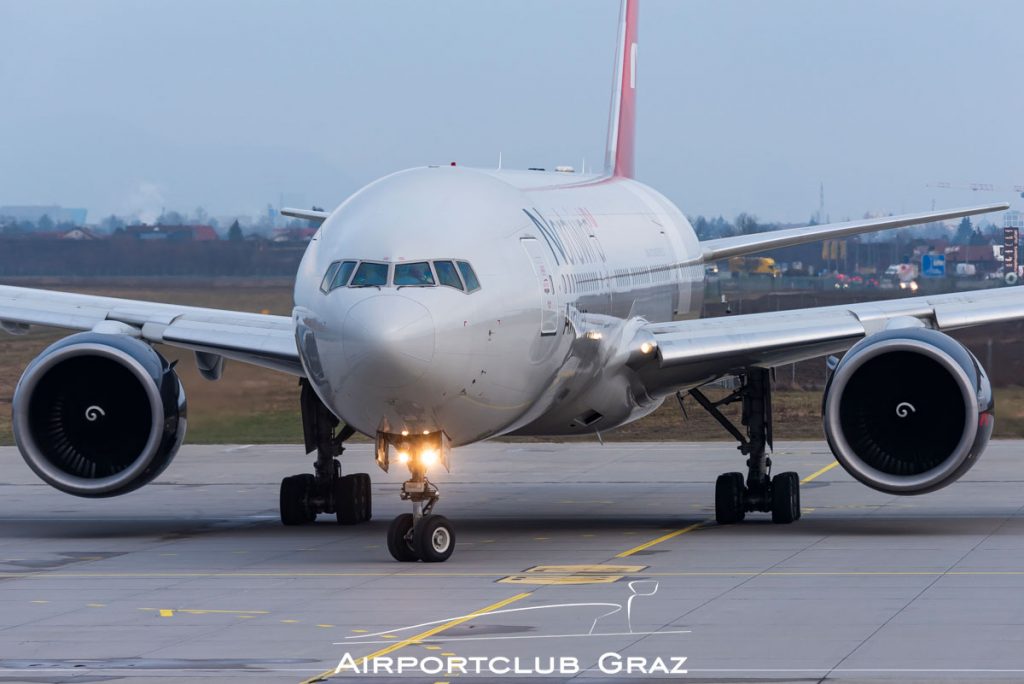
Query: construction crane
980	187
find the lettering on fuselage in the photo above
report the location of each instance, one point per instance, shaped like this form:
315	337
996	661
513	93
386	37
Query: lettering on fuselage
571	240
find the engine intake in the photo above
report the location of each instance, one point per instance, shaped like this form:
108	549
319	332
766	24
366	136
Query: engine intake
908	411
99	415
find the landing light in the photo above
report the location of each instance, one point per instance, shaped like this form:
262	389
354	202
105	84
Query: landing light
429	457
593	335
646	347
405	433
403	457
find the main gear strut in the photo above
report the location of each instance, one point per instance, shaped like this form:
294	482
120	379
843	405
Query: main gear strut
759	491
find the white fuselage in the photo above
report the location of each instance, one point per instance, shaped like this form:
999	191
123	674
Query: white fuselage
568	266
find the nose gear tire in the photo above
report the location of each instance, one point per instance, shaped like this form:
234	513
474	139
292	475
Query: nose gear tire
399	542
434	539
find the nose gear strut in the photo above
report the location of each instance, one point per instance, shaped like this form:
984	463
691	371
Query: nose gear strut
420	535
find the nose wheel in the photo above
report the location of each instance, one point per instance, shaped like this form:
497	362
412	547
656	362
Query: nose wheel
421	535
431	539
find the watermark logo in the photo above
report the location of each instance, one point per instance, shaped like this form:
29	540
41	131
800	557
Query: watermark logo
605	626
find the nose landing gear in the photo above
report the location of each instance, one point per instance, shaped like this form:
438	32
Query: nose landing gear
420	535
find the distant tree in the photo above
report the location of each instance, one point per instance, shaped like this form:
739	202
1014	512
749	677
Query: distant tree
701	228
200	216
747	224
235	232
964	232
171	218
112	223
45	223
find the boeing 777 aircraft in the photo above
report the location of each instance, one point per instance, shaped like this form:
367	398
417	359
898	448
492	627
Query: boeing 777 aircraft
442	306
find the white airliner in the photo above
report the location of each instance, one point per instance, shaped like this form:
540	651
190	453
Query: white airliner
441	306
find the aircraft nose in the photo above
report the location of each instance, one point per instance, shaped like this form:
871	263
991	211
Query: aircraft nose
388	340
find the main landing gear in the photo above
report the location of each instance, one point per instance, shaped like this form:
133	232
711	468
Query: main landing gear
420	535
325	490
734	496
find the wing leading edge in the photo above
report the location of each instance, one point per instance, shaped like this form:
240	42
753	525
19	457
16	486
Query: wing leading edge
697	351
740	245
258	339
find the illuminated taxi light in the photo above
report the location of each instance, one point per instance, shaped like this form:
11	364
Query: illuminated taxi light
593	335
426	432
429	457
405	433
647	347
403	457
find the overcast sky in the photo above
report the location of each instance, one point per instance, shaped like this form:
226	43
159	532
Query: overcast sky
121	106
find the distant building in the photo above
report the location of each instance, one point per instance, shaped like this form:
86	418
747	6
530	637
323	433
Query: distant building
32	213
197	233
81	233
1011	219
985	258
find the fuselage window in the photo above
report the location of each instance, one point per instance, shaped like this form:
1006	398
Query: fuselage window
416	274
370	274
325	284
343	273
472	284
447	274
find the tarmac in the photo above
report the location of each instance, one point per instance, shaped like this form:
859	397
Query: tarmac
593	561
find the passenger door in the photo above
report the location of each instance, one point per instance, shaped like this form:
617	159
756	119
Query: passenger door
550	308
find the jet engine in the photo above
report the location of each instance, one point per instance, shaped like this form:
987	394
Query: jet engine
99	415
908	411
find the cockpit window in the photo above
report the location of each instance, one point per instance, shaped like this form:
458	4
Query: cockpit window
447	274
415	274
343	274
325	284
370	274
472	284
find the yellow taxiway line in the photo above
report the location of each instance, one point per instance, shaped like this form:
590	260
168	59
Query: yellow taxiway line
664	537
819	473
324	676
691	528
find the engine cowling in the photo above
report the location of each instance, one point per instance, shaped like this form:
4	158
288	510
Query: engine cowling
908	411
99	415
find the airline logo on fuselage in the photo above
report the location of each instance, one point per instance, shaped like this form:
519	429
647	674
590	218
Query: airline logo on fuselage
571	240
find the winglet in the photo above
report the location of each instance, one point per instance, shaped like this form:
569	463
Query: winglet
620	152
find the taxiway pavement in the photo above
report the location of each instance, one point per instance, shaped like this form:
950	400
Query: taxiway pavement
564	551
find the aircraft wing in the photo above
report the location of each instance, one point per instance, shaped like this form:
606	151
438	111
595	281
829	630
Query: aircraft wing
693	352
723	248
258	339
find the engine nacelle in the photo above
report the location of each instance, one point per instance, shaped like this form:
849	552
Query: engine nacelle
99	415
908	411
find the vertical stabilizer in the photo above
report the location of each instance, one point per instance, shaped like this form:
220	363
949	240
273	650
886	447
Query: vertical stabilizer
619	155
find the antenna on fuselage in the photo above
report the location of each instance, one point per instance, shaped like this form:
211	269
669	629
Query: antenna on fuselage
499	161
